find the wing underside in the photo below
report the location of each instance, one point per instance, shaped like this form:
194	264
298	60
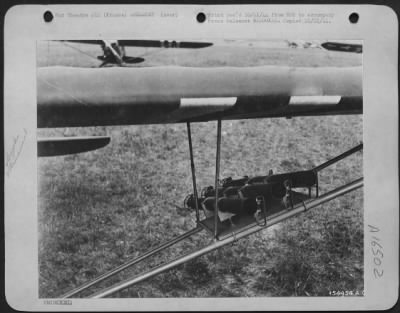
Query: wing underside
68	145
122	96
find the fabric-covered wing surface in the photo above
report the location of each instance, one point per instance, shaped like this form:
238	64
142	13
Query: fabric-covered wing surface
120	96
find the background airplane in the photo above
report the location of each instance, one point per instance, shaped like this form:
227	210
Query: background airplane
342	46
237	53
114	50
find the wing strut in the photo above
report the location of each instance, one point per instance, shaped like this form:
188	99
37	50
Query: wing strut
217	170
217	166
196	197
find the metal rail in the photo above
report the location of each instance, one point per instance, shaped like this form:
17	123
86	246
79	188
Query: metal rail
324	165
196	197
338	158
130	263
302	207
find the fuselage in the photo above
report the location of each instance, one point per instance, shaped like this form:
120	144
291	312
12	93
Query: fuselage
113	52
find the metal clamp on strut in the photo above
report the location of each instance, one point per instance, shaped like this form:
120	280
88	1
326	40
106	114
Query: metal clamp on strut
261	210
288	199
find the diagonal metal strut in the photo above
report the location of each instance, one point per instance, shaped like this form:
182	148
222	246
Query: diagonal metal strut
130	263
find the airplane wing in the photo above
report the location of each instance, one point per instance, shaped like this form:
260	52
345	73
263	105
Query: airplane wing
69	97
90	42
152	43
164	44
342	46
68	145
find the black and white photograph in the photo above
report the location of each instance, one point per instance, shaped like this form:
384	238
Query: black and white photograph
201	157
184	168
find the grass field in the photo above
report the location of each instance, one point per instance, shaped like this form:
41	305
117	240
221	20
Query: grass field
99	208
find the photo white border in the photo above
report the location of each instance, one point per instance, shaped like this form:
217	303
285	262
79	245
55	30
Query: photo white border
377	27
